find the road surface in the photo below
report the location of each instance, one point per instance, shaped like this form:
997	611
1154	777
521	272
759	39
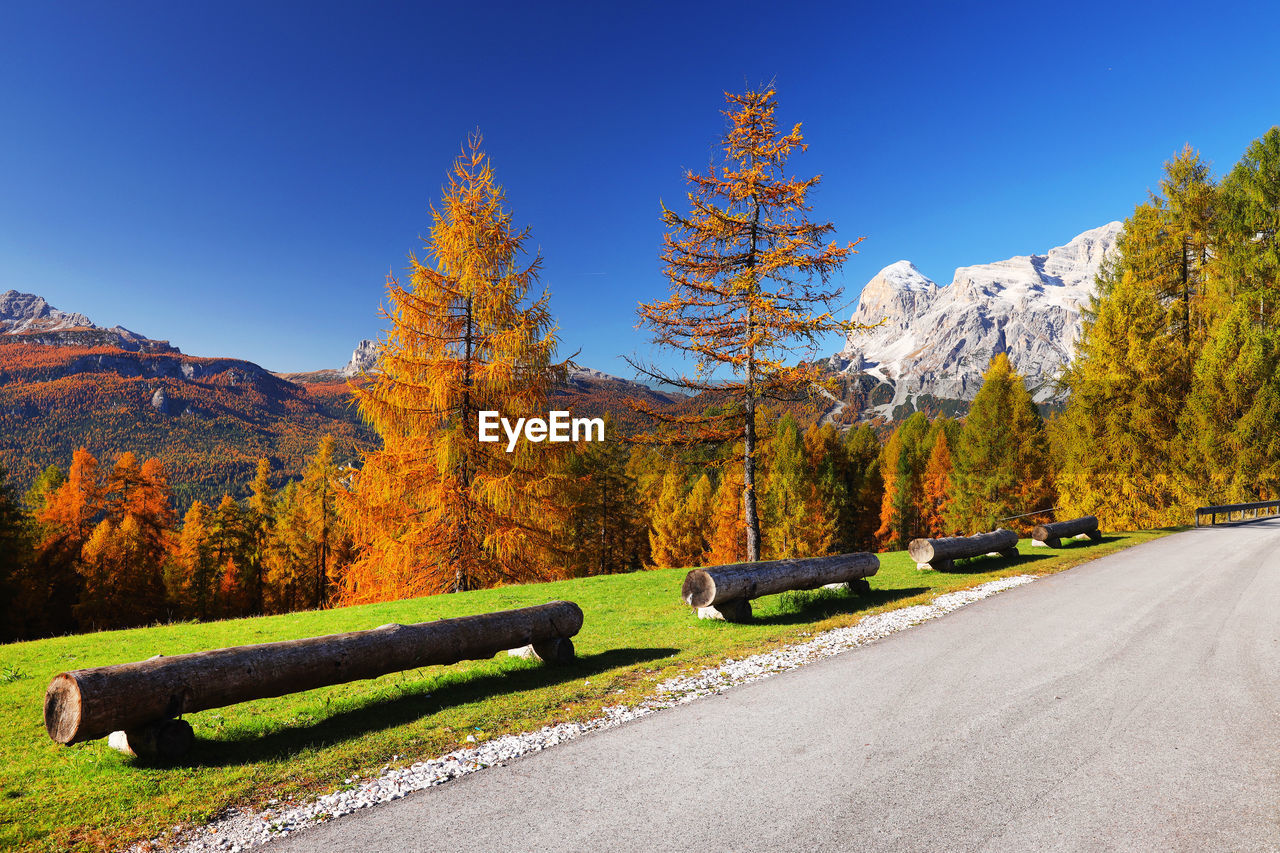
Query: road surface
1132	703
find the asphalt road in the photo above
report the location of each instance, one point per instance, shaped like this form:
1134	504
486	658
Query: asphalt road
1132	703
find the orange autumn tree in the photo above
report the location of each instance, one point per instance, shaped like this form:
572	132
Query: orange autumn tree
748	270
122	562
436	510
936	488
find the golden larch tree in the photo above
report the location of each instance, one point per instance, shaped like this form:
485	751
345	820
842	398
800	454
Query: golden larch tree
749	287
936	488
435	509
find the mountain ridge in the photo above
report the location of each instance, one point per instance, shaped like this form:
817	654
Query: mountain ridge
931	343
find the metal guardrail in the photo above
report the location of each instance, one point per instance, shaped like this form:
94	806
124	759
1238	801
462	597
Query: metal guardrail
1229	509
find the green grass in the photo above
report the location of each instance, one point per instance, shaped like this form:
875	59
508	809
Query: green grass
637	632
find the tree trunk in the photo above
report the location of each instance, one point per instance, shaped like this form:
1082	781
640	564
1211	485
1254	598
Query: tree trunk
742	581
936	552
92	703
750	515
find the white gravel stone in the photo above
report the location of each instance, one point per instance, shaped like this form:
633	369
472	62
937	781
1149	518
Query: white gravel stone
240	829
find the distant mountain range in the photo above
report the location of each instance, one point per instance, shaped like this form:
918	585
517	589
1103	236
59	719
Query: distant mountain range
66	382
29	318
930	345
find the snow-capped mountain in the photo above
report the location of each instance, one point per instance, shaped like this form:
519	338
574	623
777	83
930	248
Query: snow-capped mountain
937	341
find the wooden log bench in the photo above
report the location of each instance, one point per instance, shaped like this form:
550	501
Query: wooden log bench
1051	535
142	702
942	553
725	592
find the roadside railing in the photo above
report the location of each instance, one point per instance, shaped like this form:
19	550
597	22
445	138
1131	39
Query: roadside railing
1230	510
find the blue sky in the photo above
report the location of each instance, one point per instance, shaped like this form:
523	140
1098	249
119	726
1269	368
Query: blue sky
239	177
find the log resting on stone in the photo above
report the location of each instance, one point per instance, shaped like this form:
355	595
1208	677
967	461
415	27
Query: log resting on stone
91	703
941	553
724	592
1053	533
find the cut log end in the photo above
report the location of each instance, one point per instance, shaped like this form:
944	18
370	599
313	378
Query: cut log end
63	708
699	589
921	550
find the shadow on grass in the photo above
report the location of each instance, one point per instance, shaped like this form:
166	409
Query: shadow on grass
1073	543
815	605
982	565
427	699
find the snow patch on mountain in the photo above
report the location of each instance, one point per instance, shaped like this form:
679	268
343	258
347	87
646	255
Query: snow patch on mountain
937	341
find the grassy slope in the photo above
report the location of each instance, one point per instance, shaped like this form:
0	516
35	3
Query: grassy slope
637	633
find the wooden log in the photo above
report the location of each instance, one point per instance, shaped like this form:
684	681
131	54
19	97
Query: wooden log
91	703
744	581
1053	533
939	553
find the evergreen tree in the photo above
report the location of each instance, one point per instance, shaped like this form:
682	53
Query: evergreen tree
1232	413
329	545
675	540
607	526
122	562
258	517
1247	253
742	266
65	522
228	545
1000	468
865	486
829	468
15	561
902	466
437	510
191	573
797	527
727	540
45	484
289	557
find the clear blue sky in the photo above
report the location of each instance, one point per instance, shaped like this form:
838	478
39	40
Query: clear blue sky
239	177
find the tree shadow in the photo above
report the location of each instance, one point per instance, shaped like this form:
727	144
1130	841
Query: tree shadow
803	606
426	699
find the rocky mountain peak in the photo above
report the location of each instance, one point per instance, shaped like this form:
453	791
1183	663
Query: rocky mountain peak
31	319
363	358
937	341
27	312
